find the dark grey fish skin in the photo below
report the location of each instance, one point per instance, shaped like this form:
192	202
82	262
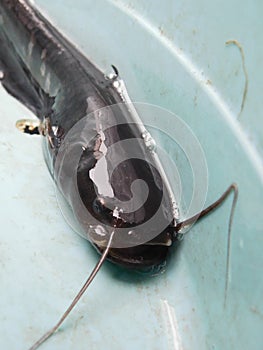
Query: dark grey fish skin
46	73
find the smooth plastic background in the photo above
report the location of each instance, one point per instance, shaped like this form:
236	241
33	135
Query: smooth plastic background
172	54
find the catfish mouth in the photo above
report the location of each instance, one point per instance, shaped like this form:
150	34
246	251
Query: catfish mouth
142	257
139	258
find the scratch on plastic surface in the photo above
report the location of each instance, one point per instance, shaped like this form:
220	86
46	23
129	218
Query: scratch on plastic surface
171	323
236	43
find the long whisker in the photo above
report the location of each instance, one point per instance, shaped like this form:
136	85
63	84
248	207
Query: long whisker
233	187
77	298
213	206
229	242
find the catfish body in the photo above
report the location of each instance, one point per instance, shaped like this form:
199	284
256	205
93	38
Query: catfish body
83	114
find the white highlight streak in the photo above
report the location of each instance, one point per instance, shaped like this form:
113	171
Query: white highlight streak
172	325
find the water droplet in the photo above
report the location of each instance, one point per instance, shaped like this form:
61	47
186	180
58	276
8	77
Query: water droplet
110	74
149	141
116	84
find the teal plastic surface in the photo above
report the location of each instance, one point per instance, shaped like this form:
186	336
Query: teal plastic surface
172	54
